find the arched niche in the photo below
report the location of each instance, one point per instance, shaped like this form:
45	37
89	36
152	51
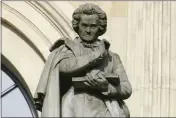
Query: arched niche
29	28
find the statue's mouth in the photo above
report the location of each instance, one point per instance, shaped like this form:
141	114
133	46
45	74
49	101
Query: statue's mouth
87	35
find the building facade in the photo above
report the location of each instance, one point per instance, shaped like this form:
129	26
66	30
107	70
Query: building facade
141	32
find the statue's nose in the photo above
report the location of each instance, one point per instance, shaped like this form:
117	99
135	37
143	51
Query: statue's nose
88	29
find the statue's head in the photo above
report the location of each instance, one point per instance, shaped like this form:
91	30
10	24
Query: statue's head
89	22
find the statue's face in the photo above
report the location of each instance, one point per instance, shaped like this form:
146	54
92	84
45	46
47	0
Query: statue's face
88	27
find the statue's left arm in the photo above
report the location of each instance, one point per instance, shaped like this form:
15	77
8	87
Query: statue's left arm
123	89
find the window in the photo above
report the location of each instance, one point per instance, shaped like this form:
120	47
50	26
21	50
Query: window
15	100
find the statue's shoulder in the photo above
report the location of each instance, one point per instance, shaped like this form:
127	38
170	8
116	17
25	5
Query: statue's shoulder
60	42
72	45
115	57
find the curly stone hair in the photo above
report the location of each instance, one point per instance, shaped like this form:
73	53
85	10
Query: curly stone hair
90	9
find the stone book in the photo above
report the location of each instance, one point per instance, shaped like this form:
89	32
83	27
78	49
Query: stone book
78	82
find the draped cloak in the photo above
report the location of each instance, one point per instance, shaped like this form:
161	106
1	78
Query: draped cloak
47	96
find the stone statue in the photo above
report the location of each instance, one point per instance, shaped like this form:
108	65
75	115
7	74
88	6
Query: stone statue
82	77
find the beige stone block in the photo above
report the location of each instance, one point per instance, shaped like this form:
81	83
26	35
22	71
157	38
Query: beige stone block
119	9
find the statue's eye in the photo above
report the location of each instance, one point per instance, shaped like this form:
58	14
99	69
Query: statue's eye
84	25
93	26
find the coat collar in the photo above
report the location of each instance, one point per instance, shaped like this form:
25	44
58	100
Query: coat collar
95	44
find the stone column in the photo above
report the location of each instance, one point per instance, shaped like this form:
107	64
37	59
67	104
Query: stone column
151	57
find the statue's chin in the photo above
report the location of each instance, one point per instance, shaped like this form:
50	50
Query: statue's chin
88	40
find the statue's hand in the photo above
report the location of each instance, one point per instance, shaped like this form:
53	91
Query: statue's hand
99	54
97	82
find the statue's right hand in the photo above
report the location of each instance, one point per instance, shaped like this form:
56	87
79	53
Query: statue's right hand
91	81
98	55
97	82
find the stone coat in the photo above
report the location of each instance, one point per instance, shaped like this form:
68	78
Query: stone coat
78	102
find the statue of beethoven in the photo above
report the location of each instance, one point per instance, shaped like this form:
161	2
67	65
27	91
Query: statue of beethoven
82	77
